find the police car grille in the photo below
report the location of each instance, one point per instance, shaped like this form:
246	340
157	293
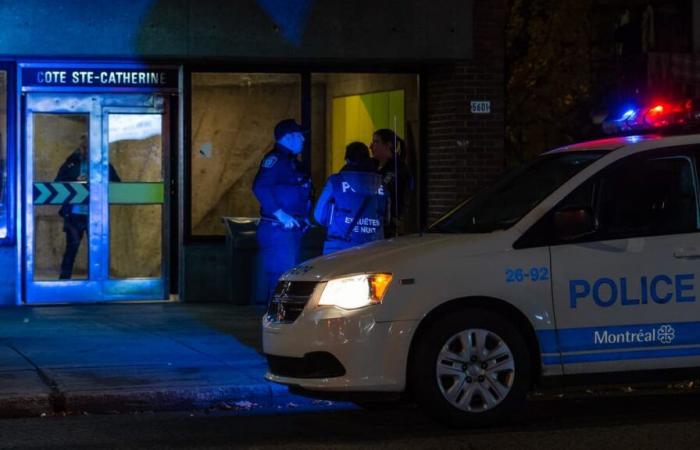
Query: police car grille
289	300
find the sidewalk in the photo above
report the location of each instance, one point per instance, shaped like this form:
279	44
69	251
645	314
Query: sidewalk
132	357
103	358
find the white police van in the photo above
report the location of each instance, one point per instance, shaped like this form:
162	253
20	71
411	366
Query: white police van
586	260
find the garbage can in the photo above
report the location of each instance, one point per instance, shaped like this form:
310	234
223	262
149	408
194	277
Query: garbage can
246	280
312	243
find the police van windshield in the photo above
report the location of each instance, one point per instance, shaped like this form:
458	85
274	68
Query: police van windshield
501	205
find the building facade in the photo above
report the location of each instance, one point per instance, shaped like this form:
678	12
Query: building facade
131	129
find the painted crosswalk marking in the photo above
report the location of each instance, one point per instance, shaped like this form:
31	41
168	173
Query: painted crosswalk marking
56	193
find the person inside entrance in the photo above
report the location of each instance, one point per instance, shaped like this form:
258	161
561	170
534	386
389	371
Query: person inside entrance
76	216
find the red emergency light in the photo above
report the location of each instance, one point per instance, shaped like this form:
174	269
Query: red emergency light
654	116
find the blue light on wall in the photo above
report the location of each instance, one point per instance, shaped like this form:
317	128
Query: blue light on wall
4	216
290	15
73	27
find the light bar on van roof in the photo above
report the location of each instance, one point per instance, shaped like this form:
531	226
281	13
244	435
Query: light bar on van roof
654	116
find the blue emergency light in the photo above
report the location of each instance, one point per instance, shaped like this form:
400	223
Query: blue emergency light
654	116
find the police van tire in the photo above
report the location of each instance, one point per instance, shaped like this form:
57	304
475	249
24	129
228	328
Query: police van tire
485	384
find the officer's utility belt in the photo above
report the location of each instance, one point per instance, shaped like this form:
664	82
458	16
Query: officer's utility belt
303	224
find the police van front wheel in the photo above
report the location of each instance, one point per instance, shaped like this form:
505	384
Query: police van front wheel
471	368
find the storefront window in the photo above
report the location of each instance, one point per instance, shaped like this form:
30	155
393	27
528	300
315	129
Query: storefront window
233	117
4	209
349	107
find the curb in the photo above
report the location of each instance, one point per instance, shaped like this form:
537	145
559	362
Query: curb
231	397
25	406
173	399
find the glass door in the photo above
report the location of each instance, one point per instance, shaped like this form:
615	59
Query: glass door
95	227
135	244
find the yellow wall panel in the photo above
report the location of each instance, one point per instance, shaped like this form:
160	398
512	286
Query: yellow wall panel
355	117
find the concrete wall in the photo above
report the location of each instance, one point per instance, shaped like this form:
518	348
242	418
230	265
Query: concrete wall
205	271
267	29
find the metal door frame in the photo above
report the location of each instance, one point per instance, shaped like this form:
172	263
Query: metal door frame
97	287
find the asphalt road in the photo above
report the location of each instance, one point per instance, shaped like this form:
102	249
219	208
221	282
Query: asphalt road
630	422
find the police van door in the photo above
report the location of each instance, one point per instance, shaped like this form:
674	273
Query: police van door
95	203
626	295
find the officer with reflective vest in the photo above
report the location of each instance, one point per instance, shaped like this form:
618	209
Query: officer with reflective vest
353	202
284	193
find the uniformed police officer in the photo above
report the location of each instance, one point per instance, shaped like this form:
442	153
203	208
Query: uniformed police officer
388	150
353	202
284	193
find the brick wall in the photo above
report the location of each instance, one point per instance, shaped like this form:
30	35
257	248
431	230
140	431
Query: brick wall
465	150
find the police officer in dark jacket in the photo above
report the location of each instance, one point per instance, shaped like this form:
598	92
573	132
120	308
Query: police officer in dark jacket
75	217
284	193
388	151
353	202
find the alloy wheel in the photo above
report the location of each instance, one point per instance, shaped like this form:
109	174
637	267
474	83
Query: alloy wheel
475	370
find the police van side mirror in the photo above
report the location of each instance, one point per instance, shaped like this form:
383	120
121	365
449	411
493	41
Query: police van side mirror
574	222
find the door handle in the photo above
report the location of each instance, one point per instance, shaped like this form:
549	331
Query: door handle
690	253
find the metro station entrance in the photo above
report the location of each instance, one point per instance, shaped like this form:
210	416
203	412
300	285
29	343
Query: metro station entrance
96	205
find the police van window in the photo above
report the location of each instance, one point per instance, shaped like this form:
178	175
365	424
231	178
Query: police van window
514	195
646	197
641	195
4	212
233	118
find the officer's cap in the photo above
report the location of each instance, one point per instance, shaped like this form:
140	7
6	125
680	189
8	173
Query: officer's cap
287	126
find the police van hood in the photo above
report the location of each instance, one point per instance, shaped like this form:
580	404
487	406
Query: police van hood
402	254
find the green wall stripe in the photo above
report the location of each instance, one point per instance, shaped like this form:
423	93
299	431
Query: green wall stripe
136	193
382	107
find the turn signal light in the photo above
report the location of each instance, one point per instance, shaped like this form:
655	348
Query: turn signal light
378	284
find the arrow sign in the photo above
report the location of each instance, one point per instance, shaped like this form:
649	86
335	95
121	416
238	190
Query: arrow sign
43	195
71	193
62	194
81	193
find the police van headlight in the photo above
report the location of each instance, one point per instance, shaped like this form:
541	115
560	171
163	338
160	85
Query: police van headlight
355	291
